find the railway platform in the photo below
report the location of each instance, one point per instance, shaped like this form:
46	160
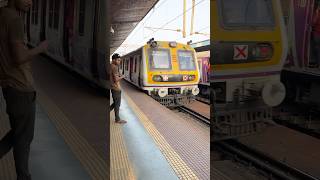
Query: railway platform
70	128
156	143
50	157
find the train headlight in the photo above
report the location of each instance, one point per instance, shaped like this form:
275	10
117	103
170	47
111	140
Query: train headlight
185	77
157	78
165	77
173	44
192	77
263	51
154	44
188	77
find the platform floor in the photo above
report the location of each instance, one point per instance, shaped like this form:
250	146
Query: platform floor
181	146
136	156
50	156
294	148
71	122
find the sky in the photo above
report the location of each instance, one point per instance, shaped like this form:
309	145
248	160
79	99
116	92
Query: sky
168	14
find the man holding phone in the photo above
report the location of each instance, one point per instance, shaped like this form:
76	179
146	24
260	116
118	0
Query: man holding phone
115	87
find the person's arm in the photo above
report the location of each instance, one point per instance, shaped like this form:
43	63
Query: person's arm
23	54
115	75
118	78
20	52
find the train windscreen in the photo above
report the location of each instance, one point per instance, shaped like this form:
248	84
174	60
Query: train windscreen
246	13
160	59
186	60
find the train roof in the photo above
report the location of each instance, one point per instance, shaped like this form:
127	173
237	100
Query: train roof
201	46
162	43
203	54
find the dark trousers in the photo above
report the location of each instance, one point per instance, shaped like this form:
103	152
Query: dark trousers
116	96
21	112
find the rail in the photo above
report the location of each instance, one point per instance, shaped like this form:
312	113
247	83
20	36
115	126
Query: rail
273	167
195	114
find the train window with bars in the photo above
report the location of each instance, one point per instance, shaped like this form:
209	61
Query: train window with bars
54	10
186	60
160	59
35	12
246	13
82	10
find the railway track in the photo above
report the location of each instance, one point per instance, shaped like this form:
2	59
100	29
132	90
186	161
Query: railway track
304	117
272	168
203	100
195	114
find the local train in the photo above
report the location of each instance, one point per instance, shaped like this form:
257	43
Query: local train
204	66
167	71
300	76
203	56
249	50
75	31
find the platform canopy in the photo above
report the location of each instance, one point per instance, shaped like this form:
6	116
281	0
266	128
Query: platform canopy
126	14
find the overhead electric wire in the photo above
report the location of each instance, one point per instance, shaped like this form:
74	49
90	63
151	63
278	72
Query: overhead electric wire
175	18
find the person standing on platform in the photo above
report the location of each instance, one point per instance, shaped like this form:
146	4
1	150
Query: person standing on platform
115	87
17	84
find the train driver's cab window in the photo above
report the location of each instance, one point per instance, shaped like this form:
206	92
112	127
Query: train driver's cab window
159	59
246	13
186	60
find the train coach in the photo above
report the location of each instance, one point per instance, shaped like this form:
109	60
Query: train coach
167	71
76	33
301	74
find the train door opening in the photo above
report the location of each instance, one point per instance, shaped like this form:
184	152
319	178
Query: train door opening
43	20
34	22
131	68
137	69
122	64
28	26
140	65
314	34
54	29
68	29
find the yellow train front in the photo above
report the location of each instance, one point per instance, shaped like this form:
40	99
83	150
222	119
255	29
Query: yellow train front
249	50
167	71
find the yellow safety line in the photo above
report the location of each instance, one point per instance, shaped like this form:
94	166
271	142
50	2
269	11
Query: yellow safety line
88	157
121	168
182	170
